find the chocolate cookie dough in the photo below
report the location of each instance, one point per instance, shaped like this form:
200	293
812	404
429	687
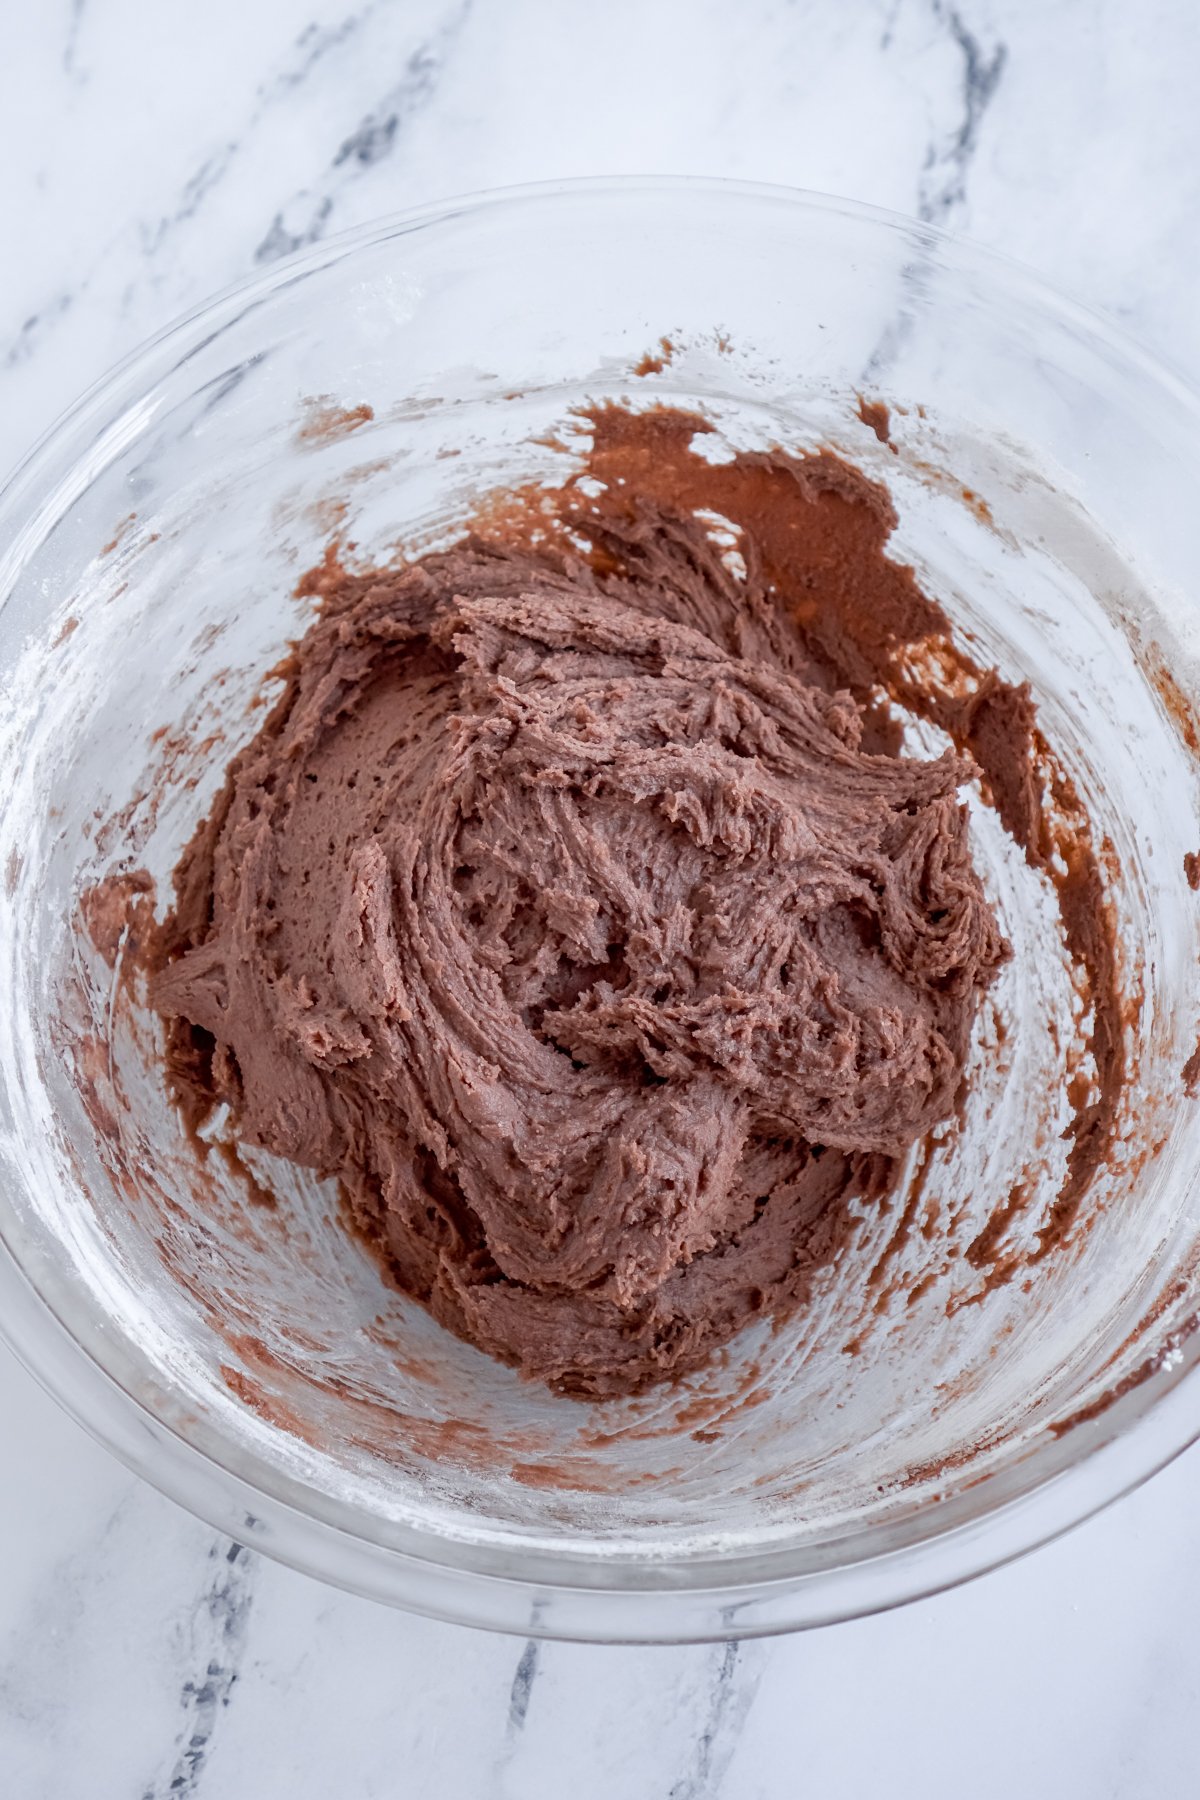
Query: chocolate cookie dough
578	910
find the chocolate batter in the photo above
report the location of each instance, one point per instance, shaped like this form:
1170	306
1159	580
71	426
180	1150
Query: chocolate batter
576	907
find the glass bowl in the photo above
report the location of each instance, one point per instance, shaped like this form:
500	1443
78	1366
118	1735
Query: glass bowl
216	1325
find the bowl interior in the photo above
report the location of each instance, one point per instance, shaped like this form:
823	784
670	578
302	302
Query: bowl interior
376	393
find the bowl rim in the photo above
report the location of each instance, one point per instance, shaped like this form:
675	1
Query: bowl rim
643	1598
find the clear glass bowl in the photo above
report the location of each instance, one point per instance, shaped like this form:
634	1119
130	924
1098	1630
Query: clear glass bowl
246	1358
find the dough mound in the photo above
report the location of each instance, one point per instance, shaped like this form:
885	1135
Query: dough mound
559	910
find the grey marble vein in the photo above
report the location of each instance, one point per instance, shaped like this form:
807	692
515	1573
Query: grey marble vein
70	56
303	219
214	392
220	1623
193	194
889	24
371	142
521	1691
943	189
520	1694
375	136
314	42
736	1676
311	48
30	333
302	223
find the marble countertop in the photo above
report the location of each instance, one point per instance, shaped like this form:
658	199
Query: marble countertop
153	154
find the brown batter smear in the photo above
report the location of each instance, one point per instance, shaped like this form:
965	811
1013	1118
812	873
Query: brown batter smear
123	529
984	1250
655	361
576	907
118	916
876	417
1165	1355
325	421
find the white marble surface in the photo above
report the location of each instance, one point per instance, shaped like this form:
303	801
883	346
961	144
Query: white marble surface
153	153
